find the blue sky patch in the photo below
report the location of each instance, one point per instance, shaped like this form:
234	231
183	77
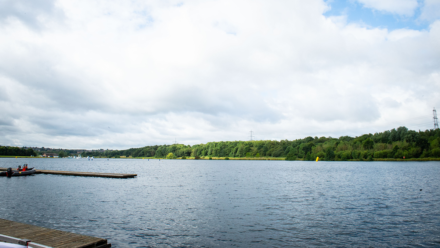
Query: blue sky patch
357	13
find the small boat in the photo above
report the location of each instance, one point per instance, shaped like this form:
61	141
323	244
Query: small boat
14	173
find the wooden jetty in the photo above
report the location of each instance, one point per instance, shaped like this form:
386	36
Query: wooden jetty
84	174
48	237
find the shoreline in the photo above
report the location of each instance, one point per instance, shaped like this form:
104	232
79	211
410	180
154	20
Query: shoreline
261	158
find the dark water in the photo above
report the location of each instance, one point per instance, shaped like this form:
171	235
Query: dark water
232	203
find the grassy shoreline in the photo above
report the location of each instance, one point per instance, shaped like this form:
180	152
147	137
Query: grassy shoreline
260	158
284	159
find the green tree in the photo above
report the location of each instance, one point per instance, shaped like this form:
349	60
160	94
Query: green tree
137	153
393	152
435	152
62	154
401	133
368	143
393	135
329	154
291	156
398	154
422	142
321	155
278	152
170	155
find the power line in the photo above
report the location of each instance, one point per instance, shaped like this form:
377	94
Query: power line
434	112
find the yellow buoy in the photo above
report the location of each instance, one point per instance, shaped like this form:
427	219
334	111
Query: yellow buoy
317	159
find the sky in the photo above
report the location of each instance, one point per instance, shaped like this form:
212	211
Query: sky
91	74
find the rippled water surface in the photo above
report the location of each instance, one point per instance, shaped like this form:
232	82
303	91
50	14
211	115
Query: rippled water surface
232	203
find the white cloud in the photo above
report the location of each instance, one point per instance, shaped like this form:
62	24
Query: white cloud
430	10
400	7
112	74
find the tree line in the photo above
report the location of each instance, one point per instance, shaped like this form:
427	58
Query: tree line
16	151
394	143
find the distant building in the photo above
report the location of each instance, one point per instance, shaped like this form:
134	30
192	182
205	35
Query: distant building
50	155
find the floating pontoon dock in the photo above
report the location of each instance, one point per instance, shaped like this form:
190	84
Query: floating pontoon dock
84	174
35	236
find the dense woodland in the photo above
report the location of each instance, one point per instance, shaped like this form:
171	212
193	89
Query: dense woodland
16	151
392	144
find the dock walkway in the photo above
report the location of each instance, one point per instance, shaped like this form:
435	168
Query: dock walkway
84	174
50	237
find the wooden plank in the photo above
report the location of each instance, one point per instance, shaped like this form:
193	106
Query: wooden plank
37	233
71	241
55	238
84	174
29	233
49	237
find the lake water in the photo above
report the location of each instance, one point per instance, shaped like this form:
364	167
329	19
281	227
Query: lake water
189	203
